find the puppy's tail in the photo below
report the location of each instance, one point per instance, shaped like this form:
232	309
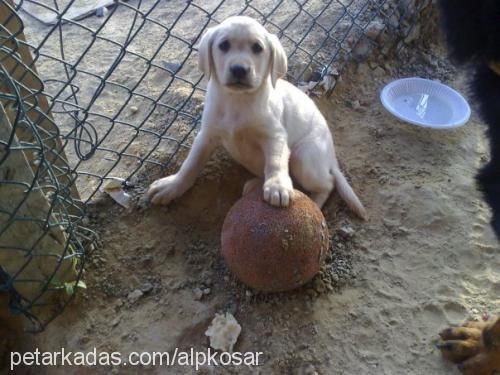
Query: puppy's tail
348	195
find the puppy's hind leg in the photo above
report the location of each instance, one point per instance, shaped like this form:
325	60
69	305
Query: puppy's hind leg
317	171
321	197
336	179
311	174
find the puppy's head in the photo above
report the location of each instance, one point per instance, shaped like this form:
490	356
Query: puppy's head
241	55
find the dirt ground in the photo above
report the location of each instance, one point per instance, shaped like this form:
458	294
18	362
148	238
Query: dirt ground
426	258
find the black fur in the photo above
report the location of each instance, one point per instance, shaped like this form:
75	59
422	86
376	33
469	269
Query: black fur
472	30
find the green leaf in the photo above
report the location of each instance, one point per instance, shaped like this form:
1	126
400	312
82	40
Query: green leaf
81	284
69	288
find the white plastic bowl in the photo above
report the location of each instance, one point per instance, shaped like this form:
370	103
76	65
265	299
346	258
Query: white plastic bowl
426	103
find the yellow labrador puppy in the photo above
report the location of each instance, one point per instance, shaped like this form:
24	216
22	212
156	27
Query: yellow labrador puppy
268	125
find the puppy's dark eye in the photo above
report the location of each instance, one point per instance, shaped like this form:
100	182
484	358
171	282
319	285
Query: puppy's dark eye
257	48
224	46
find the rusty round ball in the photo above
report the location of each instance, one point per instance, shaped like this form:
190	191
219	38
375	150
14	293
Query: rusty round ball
274	249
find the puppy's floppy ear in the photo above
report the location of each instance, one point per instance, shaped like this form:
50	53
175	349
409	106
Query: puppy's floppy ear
278	64
205	59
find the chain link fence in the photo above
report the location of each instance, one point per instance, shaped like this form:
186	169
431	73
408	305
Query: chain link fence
120	80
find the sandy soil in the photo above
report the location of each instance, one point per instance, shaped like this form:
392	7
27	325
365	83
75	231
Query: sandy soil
425	259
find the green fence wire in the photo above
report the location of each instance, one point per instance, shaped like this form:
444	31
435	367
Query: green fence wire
123	87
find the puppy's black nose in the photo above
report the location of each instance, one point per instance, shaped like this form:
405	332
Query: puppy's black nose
239	71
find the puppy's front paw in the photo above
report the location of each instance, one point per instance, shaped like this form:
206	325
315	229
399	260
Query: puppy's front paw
164	190
278	190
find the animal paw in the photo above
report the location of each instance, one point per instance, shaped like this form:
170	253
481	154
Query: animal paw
278	190
474	347
164	190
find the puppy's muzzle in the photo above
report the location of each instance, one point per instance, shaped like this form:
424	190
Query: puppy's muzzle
239	72
239	78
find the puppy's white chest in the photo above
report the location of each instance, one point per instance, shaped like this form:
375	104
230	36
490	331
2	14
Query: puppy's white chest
235	120
244	147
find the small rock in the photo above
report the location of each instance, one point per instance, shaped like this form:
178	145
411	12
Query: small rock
430	60
146	287
207	291
115	321
172	67
315	76
362	49
223	332
319	286
83	340
355	104
413	35
101	12
388	68
346	231
133	109
146	258
379	71
303	346
304	71
311	293
248	294
170	251
374	29
328	82
363	71
403	230
134	296
198	293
